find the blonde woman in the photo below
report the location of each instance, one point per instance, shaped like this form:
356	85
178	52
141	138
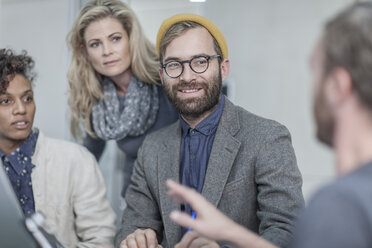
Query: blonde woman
115	91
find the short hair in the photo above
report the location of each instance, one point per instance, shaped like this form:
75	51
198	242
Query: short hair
12	64
84	81
177	30
347	43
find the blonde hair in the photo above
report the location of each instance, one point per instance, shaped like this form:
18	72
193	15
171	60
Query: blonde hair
84	81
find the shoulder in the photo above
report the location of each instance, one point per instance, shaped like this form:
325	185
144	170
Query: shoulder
163	134
63	152
252	125
352	189
337	216
63	147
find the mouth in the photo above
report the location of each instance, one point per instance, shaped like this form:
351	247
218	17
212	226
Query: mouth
111	62
20	124
189	91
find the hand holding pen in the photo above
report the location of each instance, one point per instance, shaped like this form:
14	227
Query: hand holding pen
193	216
206	221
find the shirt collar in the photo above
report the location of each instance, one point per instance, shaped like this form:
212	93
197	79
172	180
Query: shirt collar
26	150
209	124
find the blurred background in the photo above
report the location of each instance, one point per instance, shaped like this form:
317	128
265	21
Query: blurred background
269	45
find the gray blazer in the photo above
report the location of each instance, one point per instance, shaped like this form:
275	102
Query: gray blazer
252	177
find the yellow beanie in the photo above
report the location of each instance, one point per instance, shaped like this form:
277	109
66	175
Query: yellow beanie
213	29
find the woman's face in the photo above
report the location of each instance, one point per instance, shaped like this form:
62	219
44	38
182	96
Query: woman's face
107	47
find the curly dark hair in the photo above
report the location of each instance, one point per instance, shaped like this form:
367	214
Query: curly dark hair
12	64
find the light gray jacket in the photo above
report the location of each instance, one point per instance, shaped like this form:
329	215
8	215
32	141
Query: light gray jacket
252	177
69	190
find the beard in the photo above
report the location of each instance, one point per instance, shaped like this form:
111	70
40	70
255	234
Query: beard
325	121
197	106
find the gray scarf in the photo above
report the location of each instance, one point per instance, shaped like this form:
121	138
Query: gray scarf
141	106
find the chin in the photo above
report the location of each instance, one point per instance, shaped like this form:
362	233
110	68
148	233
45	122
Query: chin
21	135
325	137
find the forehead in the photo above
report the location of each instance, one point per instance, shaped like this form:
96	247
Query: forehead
103	27
18	85
193	42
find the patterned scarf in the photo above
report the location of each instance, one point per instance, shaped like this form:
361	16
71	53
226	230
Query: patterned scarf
141	106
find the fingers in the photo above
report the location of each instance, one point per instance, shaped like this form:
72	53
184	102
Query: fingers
140	239
152	241
186	240
124	244
190	196
193	240
174	191
182	219
201	242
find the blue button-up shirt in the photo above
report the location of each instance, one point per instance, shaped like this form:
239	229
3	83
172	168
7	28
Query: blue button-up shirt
196	146
18	167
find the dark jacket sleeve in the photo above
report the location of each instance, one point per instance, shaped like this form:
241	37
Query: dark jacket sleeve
95	145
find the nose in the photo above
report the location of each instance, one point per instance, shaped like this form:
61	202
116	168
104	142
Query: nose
106	49
187	75
19	107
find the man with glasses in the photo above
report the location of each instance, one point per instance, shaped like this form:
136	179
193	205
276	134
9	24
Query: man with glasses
243	164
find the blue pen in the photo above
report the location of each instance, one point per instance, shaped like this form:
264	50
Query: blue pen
193	216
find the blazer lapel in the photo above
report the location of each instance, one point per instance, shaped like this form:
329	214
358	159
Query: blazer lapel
224	150
168	168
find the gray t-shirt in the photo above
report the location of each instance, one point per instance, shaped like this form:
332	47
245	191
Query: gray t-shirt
339	215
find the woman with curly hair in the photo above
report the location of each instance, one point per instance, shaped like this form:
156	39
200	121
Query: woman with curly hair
43	170
115	91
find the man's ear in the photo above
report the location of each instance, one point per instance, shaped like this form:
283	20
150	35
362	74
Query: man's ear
342	85
225	68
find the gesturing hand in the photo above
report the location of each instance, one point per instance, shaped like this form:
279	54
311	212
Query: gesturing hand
194	240
209	220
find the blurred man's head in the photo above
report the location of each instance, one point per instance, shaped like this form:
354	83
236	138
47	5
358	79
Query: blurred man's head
17	106
342	59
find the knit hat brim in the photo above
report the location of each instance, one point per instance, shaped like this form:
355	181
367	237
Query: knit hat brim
213	29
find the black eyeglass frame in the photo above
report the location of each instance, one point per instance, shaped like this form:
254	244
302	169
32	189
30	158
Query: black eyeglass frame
164	66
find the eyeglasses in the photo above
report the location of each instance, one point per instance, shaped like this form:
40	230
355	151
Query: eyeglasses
199	64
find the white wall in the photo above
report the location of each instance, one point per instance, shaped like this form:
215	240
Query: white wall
152	14
40	27
269	43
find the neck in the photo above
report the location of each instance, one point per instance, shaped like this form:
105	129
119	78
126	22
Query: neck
7	147
353	138
122	82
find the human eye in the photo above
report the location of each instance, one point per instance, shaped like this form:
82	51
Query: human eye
116	38
4	101
28	98
199	61
94	44
173	65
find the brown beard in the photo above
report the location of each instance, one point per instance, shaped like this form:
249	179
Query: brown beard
324	118
195	107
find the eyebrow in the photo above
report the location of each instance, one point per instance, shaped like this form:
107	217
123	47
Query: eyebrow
110	35
114	34
178	59
24	93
